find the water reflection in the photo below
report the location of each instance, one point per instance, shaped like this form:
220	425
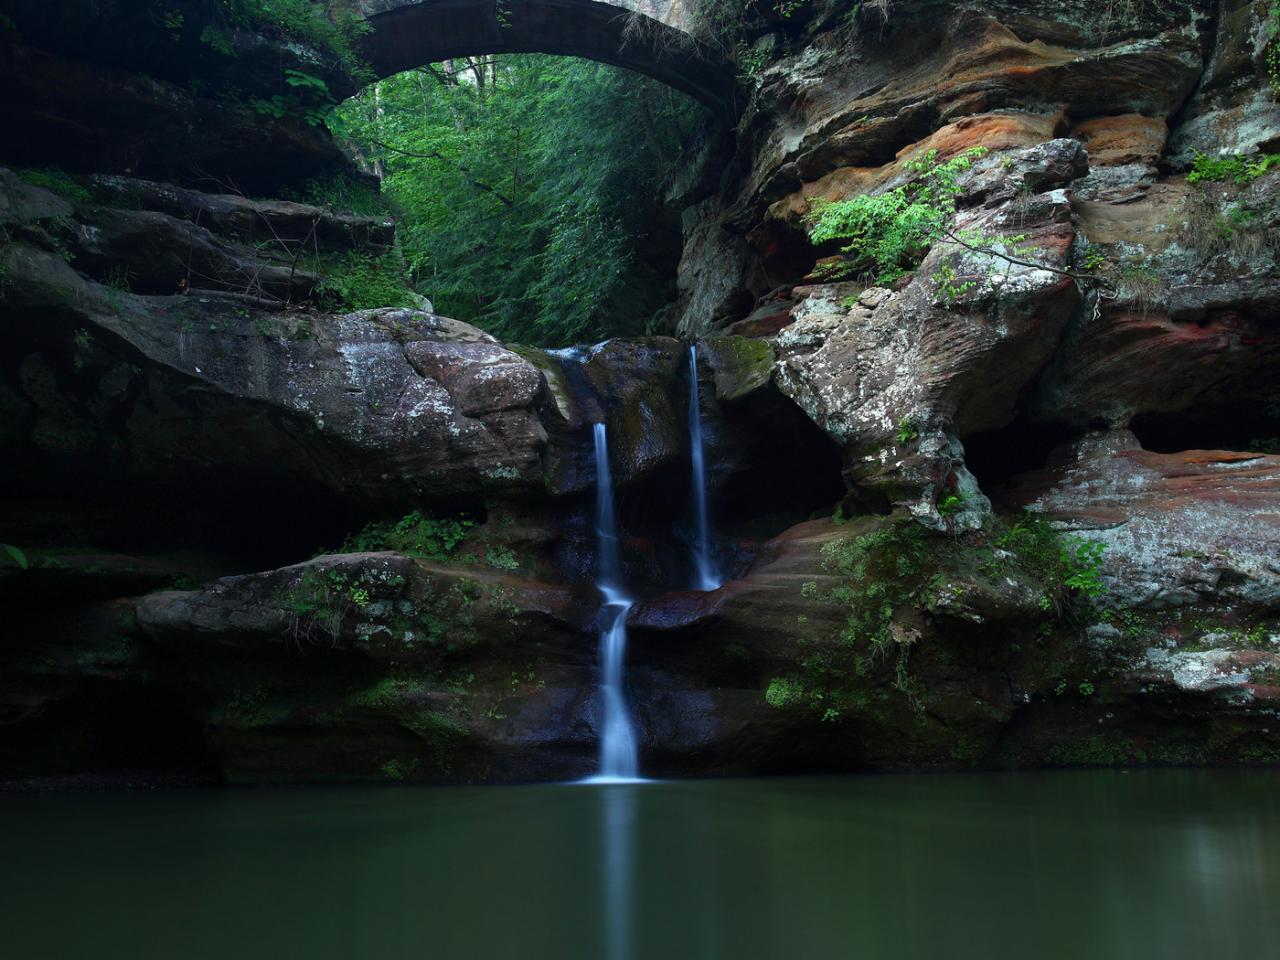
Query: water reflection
1105	865
617	806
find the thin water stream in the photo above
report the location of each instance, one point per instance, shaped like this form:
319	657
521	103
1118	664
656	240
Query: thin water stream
617	734
708	577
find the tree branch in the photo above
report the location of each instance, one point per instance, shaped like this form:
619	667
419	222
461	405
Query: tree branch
462	168
1097	278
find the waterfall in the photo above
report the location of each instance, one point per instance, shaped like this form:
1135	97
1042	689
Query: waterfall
708	577
617	736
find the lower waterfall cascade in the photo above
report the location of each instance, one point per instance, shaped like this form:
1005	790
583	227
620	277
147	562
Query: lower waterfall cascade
617	734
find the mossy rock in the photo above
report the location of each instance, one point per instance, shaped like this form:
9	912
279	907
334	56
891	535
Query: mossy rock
742	365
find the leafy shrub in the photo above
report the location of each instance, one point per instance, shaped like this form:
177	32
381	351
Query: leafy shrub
345	195
1235	167
415	534
333	27
1071	564
783	691
364	281
888	234
501	558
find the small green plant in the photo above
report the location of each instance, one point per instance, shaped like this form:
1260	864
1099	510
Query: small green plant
1070	564
306	81
949	286
1085	688
1061	687
783	691
399	770
17	555
317	601
119	279
951	504
1082	561
360	597
1092	259
344	194
908	430
502	558
751	60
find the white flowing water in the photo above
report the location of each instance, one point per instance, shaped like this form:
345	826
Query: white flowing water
708	577
617	735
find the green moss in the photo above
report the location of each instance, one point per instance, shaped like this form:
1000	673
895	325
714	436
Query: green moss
742	364
59	182
967	750
1100	750
399	770
392	693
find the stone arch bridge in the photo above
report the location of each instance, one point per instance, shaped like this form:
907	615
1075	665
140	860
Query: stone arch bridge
647	36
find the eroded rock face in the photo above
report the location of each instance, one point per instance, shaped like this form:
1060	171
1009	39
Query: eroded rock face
385	398
1196	527
91	118
982	673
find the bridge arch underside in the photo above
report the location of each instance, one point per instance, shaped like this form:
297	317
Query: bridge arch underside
407	35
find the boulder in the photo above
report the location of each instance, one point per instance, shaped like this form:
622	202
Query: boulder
379	666
389	402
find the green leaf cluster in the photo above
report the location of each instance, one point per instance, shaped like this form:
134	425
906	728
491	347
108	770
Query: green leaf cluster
415	534
886	235
1234	167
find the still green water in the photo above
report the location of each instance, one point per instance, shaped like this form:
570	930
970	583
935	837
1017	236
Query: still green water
1162	864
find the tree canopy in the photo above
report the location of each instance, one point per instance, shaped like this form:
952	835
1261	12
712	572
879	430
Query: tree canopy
527	188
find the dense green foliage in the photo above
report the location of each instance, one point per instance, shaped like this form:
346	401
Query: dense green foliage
1273	46
415	534
886	235
1233	167
332	27
525	188
887	579
364	281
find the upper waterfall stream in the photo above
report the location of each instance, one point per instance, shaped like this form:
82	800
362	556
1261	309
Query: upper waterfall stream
708	576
